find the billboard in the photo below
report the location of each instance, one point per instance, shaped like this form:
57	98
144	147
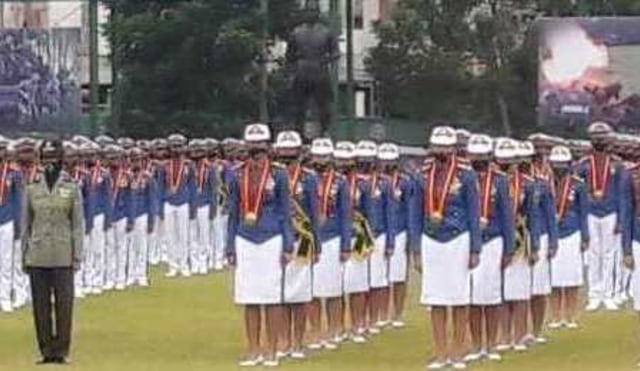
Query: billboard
588	70
39	79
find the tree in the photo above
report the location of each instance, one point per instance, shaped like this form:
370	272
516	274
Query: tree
188	66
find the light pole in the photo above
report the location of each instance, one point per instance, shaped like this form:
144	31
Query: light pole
94	78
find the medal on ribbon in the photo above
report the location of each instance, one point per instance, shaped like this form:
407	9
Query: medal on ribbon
375	190
485	190
95	174
251	208
564	197
325	194
395	185
4	183
294	179
203	171
515	188
599	182
117	183
175	178
435	204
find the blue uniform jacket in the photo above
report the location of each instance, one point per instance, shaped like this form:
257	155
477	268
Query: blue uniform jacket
160	181
577	209
97	195
204	192
10	204
275	215
613	201
501	221
142	196
527	205
461	214
305	194
629	217
338	220
379	211
402	201
121	199
545	212
184	183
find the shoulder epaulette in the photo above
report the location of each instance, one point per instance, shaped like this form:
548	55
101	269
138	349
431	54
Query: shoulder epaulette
464	166
584	159
278	165
499	172
528	177
308	170
577	178
14	166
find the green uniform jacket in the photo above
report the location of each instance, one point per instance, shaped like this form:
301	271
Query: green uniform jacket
52	233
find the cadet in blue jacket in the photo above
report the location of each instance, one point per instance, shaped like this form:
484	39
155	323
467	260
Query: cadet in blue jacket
157	166
303	186
260	241
201	208
143	215
334	235
497	229
567	272
401	204
446	240
602	172
10	202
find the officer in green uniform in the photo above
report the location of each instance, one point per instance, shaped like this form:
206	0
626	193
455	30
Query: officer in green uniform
52	250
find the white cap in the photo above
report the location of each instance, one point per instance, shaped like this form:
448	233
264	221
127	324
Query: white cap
506	148
257	133
480	144
525	149
344	150
599	128
321	147
388	152
366	148
443	136
288	140
177	139
104	140
560	154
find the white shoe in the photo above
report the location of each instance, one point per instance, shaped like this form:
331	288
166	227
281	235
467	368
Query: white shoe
398	324
435	365
143	282
382	324
96	291
359	339
520	348
314	346
172	273
374	331
472	357
494	356
611	305
554	325
593	305
338	339
109	286
120	287
541	340
459	366
298	354
572	325
187	273
79	294
251	362
329	345
281	354
271	363
503	347
5	306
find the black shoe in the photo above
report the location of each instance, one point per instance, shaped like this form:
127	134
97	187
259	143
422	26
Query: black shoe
45	361
61	361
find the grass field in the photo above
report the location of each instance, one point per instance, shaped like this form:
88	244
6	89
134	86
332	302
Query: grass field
191	324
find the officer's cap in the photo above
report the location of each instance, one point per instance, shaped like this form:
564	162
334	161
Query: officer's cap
388	152
560	154
443	136
366	149
322	147
344	150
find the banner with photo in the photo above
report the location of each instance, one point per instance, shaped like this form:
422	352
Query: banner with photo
589	69
39	80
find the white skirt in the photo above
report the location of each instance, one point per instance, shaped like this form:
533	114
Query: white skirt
356	275
567	265
486	279
399	260
297	282
635	277
541	283
379	265
517	280
327	273
258	274
446	280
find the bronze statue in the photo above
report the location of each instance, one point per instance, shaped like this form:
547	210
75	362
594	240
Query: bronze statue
311	50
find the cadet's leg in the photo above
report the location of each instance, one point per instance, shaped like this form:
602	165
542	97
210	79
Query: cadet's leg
460	323
556	305
476	314
6	263
399	297
538	311
273	319
299	325
252	323
571	303
492	317
315	321
439	328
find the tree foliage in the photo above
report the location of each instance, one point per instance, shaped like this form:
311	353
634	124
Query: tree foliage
188	66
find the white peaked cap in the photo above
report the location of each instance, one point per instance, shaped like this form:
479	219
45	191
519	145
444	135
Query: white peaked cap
388	152
560	154
288	140
322	147
526	149
344	150
443	136
257	133
599	128
480	144
366	148
506	148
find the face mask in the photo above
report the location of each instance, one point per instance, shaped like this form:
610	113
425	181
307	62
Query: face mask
599	146
524	167
560	170
480	165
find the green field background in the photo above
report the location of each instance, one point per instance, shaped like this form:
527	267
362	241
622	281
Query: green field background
192	325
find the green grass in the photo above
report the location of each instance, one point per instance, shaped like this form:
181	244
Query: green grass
191	324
